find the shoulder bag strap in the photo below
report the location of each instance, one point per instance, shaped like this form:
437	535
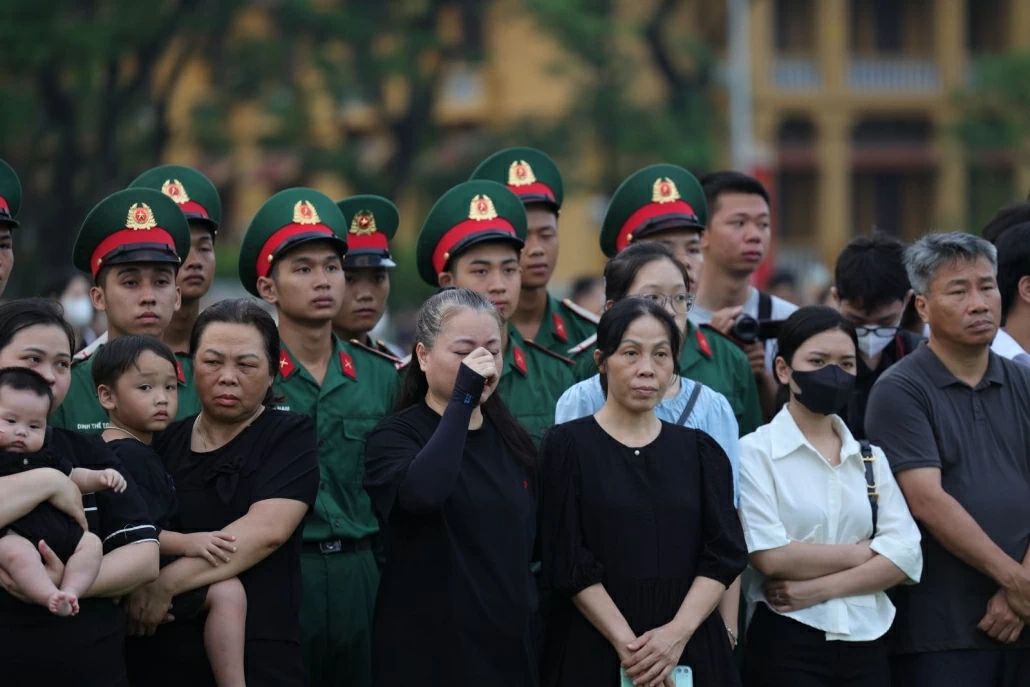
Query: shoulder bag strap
764	306
870	479
690	403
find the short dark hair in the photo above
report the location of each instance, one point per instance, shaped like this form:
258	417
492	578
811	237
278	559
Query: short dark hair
117	356
24	313
621	270
801	326
1008	216
729	181
1013	264
24	379
782	277
870	271
618	318
248	312
583	285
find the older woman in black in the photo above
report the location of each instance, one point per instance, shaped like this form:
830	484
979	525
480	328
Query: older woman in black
88	649
449	476
242	468
638	527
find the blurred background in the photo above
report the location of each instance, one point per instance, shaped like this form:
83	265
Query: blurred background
901	115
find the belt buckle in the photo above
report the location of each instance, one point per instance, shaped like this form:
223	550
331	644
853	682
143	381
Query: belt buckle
333	546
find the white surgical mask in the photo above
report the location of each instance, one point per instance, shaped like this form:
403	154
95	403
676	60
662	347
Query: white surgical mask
78	310
870	343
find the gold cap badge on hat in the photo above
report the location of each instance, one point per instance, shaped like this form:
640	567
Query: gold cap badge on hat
482	208
363	224
520	174
174	189
664	191
304	213
140	217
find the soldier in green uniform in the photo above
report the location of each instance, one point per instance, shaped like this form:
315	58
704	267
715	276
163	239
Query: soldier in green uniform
291	257
532	176
130	244
472	238
651	204
10	201
372	222
198	199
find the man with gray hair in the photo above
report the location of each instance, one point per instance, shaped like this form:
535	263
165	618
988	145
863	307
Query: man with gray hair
954	421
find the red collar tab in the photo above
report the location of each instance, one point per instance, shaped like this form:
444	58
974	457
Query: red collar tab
702	343
179	373
347	365
519	359
286	366
559	328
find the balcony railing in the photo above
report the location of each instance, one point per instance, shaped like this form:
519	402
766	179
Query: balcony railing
796	74
893	75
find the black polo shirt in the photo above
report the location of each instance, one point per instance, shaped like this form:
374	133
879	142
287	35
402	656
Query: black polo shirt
923	416
903	344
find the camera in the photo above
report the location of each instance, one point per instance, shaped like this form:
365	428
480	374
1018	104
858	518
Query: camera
747	330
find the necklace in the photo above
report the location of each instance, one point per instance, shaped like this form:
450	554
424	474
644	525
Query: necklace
125	431
208	443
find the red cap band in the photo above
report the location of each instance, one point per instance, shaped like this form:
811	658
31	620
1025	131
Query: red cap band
194	208
375	241
469	227
4	205
534	189
280	236
128	237
649	212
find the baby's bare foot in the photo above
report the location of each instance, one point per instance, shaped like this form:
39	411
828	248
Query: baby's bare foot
60	604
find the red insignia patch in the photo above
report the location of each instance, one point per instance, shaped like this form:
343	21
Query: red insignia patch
286	366
559	328
525	484
520	360
179	373
702	343
347	365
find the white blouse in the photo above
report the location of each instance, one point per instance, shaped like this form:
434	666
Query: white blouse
789	492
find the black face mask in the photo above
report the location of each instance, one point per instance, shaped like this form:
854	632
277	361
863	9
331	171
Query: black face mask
826	390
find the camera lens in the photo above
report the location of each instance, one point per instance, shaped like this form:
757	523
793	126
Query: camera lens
745	329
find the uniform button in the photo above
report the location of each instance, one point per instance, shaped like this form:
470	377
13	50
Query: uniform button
25	461
322	486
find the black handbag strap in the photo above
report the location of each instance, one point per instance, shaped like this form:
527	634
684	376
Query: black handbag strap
764	306
690	403
870	479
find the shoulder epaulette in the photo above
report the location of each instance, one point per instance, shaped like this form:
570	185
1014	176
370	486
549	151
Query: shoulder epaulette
89	350
375	351
591	317
583	345
548	351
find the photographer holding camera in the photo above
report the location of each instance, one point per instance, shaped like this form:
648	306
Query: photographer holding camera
734	246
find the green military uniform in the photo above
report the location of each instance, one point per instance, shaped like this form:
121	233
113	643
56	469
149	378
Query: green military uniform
10	196
476	212
532	176
338	563
138	225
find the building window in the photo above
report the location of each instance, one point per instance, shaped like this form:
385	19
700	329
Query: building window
795	27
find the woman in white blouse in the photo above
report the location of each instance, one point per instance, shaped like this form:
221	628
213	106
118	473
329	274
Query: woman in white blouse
819	567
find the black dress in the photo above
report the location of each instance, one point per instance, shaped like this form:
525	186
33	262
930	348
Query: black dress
61	533
644	523
37	647
457	600
274	458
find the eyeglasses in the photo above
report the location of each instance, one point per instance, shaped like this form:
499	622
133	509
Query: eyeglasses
877	331
681	302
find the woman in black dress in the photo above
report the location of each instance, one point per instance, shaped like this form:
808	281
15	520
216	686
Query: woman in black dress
245	469
87	649
449	476
638	527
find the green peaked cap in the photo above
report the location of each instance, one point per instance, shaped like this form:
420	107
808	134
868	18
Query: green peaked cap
133	225
527	172
372	222
652	200
193	192
472	212
288	219
10	196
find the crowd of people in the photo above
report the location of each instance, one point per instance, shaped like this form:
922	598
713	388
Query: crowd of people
703	485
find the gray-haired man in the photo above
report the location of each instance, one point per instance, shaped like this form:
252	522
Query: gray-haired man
954	421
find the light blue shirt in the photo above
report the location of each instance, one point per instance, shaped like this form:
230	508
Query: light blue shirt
711	414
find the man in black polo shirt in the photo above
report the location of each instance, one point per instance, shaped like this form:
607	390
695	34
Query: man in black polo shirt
871	287
954	421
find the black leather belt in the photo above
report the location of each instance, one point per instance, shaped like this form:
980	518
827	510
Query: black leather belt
328	546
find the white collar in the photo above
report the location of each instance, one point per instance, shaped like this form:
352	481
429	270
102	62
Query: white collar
1005	346
786	437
